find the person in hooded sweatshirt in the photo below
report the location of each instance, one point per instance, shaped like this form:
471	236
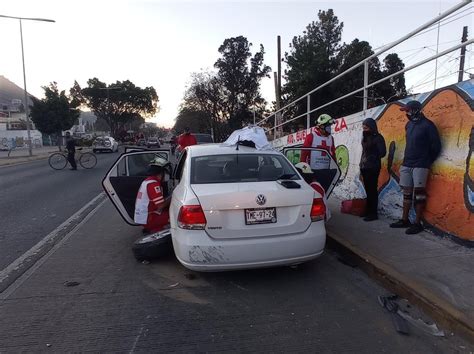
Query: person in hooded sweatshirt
423	146
373	150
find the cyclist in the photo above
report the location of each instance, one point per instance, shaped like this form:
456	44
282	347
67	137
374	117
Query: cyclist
71	151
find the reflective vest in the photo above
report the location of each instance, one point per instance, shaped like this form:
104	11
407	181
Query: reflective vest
142	203
321	160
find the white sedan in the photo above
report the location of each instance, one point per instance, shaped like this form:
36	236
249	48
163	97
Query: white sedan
232	207
105	143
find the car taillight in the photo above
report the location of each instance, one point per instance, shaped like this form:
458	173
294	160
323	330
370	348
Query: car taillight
191	217
318	209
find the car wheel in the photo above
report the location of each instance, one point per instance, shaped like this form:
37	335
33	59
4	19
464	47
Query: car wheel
153	246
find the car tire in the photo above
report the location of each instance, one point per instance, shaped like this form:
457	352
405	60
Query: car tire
153	246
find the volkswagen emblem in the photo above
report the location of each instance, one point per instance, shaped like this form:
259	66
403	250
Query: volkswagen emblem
261	200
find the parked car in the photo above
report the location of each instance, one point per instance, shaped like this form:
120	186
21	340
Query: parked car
105	143
153	143
232	208
203	138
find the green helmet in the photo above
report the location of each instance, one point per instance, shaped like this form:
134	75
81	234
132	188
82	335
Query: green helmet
324	119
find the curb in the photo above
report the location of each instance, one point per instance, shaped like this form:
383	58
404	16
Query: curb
443	312
12	162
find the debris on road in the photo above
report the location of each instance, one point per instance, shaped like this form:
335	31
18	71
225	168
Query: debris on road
71	283
388	303
403	317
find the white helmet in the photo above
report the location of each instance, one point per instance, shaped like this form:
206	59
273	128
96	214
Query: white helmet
159	161
303	167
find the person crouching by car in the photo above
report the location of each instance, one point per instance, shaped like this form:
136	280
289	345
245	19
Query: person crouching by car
151	207
308	175
373	150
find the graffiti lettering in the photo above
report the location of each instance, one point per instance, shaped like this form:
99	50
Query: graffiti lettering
340	125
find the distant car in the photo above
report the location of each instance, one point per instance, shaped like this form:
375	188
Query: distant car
105	143
233	208
203	138
141	142
153	143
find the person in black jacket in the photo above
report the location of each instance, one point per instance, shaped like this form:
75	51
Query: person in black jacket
423	147
373	149
71	150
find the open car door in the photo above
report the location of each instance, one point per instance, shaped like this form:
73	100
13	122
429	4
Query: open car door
123	180
138	148
328	177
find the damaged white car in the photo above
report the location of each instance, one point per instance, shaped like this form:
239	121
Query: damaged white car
233	207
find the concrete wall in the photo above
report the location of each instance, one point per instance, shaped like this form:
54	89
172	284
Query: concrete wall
18	138
450	205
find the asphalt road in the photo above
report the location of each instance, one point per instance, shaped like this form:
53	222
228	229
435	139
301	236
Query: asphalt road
35	199
91	295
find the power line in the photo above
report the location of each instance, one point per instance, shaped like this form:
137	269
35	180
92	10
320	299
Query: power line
444	24
431	29
427	46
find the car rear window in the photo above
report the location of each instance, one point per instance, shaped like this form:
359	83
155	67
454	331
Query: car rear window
240	168
203	138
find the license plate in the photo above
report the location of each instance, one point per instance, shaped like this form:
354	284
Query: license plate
260	216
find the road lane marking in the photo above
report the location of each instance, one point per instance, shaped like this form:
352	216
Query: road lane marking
32	259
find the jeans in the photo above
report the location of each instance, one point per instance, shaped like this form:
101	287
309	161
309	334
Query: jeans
370	179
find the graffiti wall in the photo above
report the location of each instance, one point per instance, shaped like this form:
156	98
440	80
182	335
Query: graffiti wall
450	205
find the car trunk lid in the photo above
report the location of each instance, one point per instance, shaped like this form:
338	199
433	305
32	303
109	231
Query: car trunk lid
257	209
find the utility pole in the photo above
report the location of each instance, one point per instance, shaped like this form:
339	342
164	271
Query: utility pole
463	54
436	61
278	116
279	73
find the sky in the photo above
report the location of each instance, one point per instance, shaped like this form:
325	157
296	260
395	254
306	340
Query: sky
161	43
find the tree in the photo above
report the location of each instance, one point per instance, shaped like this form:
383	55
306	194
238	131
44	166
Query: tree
101	125
120	103
348	56
56	112
225	99
317	55
312	60
240	81
392	64
197	121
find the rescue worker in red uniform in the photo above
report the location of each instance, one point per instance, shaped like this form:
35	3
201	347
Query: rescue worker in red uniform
186	139
151	206
321	138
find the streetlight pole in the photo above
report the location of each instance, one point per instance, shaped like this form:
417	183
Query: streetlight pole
30	152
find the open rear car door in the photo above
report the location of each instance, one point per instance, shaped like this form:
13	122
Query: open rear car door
328	177
123	180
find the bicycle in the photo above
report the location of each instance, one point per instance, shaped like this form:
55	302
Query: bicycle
58	160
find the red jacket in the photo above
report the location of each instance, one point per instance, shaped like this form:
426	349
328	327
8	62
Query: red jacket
185	140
